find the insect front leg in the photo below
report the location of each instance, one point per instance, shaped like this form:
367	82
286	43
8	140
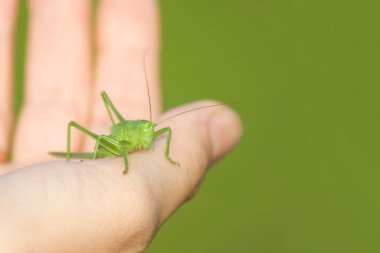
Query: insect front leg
168	141
80	128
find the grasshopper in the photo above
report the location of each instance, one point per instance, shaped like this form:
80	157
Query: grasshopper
126	136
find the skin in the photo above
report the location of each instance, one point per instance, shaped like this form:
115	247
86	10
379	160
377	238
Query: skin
89	206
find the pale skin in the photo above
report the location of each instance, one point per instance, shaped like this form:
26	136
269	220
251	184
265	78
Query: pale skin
90	206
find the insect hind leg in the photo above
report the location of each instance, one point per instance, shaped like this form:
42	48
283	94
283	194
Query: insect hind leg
80	128
111	108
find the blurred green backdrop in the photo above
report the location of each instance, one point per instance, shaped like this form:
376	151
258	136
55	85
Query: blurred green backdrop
305	176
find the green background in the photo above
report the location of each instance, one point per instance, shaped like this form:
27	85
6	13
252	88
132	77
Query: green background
305	177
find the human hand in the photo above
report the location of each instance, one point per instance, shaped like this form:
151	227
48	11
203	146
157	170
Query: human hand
90	206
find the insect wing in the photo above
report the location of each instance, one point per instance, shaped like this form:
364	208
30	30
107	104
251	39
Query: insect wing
78	155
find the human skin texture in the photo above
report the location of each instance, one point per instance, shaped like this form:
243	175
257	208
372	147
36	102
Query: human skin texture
51	205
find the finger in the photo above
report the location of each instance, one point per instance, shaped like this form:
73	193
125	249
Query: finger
126	29
7	23
57	78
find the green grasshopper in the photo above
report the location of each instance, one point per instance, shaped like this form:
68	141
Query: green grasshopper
126	136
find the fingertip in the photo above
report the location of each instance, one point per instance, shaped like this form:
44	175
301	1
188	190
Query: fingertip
225	129
199	139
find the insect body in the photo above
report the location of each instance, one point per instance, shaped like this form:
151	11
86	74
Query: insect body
126	137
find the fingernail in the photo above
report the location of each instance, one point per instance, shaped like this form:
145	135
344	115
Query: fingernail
225	128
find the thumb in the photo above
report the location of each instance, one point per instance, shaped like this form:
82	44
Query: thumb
199	139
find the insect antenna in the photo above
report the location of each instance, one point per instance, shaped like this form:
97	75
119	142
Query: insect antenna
147	85
198	108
